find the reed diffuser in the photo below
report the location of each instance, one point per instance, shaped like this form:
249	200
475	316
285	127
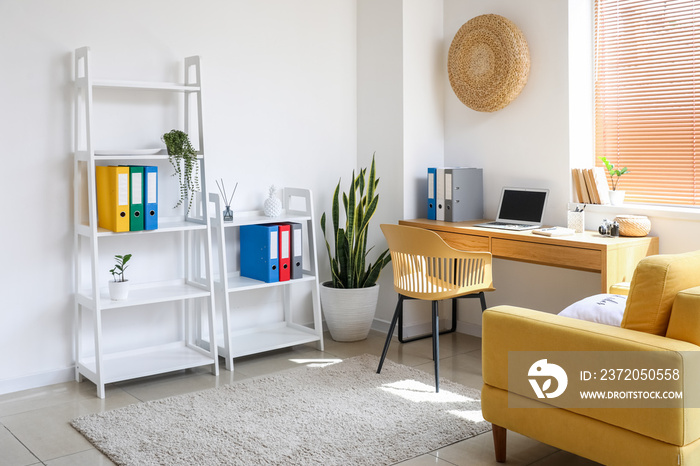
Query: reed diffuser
228	213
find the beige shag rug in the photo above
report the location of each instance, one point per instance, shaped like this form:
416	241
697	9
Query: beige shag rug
341	413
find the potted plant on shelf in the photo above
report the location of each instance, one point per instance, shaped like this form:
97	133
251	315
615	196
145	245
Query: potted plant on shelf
349	299
183	158
617	197
119	287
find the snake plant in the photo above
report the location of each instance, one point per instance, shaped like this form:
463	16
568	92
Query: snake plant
349	266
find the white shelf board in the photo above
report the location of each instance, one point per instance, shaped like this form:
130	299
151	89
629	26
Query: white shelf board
253	341
258	217
165	225
136	157
128	157
84	155
147	294
146	361
145	85
239	283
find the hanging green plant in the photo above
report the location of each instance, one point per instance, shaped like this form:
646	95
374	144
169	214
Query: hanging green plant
183	158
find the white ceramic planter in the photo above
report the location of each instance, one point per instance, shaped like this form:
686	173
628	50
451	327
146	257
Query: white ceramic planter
617	197
349	312
118	291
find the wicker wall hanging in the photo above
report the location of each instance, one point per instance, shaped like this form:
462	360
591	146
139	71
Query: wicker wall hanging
488	63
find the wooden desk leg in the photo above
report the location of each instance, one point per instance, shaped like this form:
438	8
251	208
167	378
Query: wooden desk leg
499	442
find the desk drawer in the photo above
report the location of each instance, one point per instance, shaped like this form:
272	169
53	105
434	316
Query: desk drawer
465	242
549	254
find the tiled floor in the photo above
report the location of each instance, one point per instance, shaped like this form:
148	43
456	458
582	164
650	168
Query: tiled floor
34	425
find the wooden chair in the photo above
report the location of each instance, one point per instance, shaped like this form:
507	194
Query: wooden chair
427	268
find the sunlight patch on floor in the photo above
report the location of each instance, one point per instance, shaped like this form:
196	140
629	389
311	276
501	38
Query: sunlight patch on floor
317	362
473	416
419	392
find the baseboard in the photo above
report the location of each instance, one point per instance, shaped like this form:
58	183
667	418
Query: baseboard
469	328
40	379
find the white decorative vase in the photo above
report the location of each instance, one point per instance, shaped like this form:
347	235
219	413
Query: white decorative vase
119	291
617	197
272	205
349	312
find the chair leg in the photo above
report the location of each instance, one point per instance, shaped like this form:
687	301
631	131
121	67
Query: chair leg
436	345
452	329
397	312
499	442
482	298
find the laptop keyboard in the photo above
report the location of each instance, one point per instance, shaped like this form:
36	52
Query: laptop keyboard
511	225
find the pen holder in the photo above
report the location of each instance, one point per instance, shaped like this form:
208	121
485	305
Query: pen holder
228	214
575	221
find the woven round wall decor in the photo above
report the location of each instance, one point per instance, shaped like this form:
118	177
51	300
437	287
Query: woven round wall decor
488	63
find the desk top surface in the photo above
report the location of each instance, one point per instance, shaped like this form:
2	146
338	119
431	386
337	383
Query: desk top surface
587	239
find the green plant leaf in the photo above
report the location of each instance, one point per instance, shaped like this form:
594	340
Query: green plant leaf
373	181
336	210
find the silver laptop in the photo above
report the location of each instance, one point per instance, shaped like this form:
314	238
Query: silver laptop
520	209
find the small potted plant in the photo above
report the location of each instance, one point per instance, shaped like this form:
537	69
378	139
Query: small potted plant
119	287
349	300
617	197
183	158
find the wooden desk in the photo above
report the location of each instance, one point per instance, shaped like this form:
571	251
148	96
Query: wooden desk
614	258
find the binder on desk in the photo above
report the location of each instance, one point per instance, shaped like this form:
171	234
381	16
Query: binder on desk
150	190
112	197
464	194
136	198
448	195
259	257
432	173
285	251
296	253
440	194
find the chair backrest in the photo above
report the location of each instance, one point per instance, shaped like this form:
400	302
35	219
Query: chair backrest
426	267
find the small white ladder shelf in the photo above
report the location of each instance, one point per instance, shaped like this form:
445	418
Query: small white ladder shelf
285	333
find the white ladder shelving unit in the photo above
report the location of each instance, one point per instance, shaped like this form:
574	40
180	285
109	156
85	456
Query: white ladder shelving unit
191	295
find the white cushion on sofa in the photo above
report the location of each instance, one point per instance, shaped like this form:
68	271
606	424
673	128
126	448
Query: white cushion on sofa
602	308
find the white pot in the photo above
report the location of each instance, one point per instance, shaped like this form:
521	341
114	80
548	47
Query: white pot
617	197
349	312
118	291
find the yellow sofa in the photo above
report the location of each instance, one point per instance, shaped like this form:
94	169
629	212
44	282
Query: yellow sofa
662	314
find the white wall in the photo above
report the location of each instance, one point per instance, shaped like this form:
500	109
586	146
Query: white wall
525	144
279	107
400	115
535	141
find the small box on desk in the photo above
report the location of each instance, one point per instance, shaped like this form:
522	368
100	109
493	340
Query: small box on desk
455	194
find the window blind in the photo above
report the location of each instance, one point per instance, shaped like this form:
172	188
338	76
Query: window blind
647	63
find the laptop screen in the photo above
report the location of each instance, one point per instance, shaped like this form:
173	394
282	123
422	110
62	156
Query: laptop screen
522	204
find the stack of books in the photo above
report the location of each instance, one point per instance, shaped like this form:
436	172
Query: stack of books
127	197
590	185
271	252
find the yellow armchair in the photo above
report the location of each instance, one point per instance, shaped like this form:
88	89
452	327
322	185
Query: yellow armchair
662	315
